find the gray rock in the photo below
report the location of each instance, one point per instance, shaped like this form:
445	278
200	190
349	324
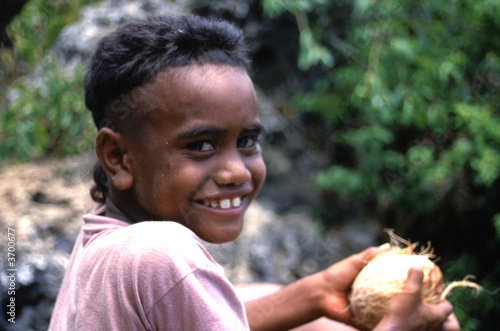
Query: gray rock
76	43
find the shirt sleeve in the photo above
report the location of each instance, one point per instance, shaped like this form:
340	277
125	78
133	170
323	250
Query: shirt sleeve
203	300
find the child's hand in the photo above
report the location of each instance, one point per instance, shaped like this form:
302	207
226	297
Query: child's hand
407	311
338	279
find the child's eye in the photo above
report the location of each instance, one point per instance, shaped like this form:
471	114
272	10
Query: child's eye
247	142
201	146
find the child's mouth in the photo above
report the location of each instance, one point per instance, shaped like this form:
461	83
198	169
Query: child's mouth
221	204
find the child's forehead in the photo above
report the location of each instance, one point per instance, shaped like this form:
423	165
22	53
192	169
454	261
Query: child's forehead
187	84
196	77
176	89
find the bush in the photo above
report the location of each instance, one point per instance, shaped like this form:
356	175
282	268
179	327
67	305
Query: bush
38	25
33	32
47	117
413	103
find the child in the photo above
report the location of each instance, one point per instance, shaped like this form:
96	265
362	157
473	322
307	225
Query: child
180	161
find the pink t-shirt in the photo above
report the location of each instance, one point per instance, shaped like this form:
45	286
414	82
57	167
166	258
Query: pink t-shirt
143	276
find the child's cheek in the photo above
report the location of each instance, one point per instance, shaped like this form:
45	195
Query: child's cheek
158	185
259	171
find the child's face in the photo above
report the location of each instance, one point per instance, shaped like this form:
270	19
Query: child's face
199	163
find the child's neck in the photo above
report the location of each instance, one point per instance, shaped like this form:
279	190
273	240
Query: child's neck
113	211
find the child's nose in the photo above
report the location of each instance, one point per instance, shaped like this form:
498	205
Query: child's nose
233	172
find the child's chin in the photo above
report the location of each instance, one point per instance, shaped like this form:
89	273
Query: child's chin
221	237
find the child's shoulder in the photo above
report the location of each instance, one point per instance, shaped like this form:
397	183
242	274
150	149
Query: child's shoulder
152	242
164	236
145	260
148	248
159	231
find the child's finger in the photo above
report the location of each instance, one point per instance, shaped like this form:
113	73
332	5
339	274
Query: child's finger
358	261
343	273
413	284
407	301
421	315
451	324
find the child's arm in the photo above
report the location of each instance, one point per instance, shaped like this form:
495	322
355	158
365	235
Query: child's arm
325	294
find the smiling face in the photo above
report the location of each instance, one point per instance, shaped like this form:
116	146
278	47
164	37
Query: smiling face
198	159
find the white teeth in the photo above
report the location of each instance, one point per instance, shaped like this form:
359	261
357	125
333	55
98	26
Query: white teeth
236	202
225	204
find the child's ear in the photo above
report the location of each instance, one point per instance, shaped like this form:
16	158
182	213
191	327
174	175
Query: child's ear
111	149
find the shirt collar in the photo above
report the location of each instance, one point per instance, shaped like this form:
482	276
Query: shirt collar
103	218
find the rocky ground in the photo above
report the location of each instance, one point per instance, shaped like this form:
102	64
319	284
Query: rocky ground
42	204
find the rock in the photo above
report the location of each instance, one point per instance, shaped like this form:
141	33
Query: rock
77	41
280	248
42	203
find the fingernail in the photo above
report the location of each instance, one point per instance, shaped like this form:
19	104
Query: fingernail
384	247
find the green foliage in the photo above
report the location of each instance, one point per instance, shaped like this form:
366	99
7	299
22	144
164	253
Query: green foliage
36	28
274	8
48	117
496	221
468	303
414	106
311	51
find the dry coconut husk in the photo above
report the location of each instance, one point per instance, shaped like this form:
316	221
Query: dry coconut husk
384	277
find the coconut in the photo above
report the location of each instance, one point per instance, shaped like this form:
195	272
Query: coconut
384	277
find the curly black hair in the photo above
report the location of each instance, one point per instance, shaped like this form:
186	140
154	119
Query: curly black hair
137	51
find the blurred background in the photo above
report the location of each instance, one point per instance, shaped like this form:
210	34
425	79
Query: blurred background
379	115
